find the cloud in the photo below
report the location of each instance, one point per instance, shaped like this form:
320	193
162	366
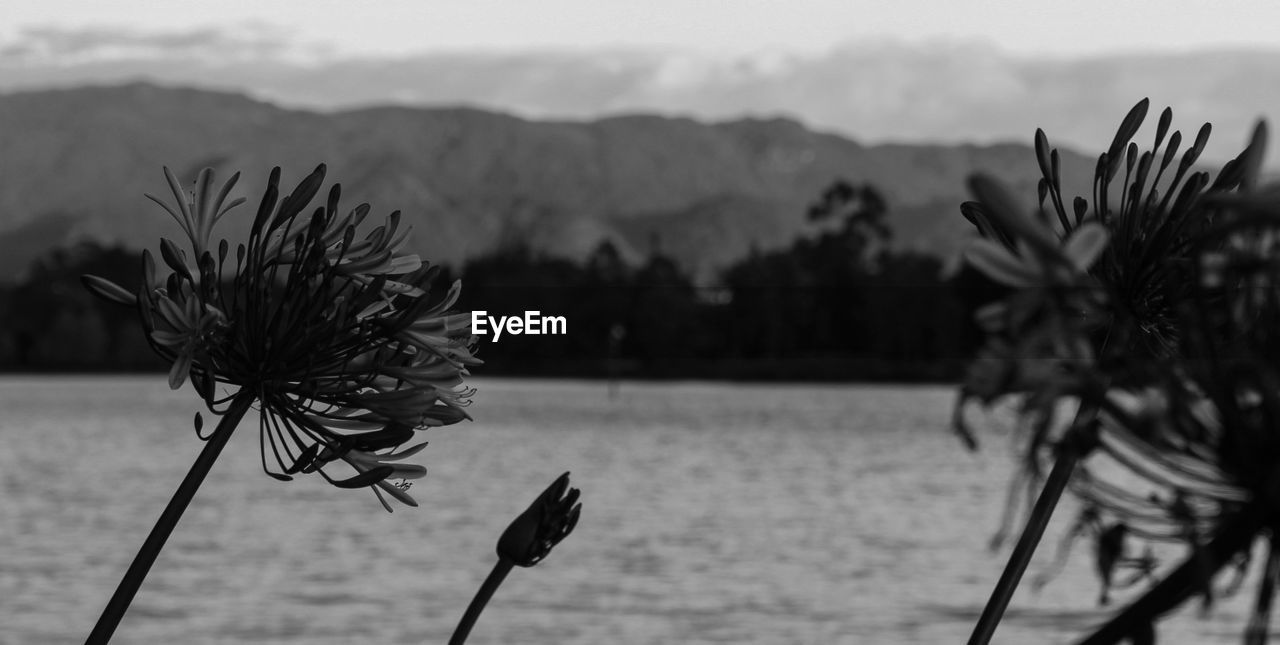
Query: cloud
58	46
872	91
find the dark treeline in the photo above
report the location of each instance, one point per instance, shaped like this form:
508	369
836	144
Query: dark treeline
837	304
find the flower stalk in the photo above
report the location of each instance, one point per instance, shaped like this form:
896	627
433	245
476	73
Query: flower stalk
1070	453
1027	543
1260	622
137	572
336	339
490	585
526	542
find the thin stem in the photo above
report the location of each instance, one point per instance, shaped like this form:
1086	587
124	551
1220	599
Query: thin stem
1260	622
490	585
146	557
1021	556
1074	444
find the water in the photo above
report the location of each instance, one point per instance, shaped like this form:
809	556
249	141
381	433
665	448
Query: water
712	514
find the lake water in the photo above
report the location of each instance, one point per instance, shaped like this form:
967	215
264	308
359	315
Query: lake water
713	513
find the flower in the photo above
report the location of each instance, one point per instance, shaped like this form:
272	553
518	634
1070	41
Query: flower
526	542
1039	343
1165	342
185	326
546	522
1096	288
338	338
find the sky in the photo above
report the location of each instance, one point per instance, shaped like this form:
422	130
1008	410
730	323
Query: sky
948	71
399	27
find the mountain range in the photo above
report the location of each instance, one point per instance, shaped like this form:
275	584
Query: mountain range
75	164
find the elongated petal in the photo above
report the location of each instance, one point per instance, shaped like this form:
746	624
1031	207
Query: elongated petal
404	454
204	193
399	493
404	264
366	478
304	460
173	257
108	290
178	372
997	263
1085	245
186	227
1251	158
180	195
347	424
170	338
1128	128
407	471
172	314
1011	216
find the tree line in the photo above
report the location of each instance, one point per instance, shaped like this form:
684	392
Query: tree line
837	304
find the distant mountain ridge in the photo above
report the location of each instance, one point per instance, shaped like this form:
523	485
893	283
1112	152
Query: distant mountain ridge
75	163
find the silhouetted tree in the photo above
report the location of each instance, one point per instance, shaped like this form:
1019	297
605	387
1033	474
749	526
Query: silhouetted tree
838	297
51	321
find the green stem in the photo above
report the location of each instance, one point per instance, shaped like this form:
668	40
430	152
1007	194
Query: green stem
490	585
146	557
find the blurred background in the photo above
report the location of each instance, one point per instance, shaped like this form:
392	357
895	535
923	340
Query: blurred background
713	189
707	191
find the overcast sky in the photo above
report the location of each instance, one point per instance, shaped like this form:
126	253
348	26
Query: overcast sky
1077	27
906	70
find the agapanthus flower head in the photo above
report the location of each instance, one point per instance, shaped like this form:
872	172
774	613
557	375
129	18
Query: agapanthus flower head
1177	398
543	525
1097	285
338	336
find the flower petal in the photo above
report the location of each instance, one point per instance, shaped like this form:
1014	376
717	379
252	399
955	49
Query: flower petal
1085	245
997	263
178	372
1009	214
108	290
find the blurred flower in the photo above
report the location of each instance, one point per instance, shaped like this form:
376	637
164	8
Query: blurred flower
337	338
1039	343
543	525
1154	314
